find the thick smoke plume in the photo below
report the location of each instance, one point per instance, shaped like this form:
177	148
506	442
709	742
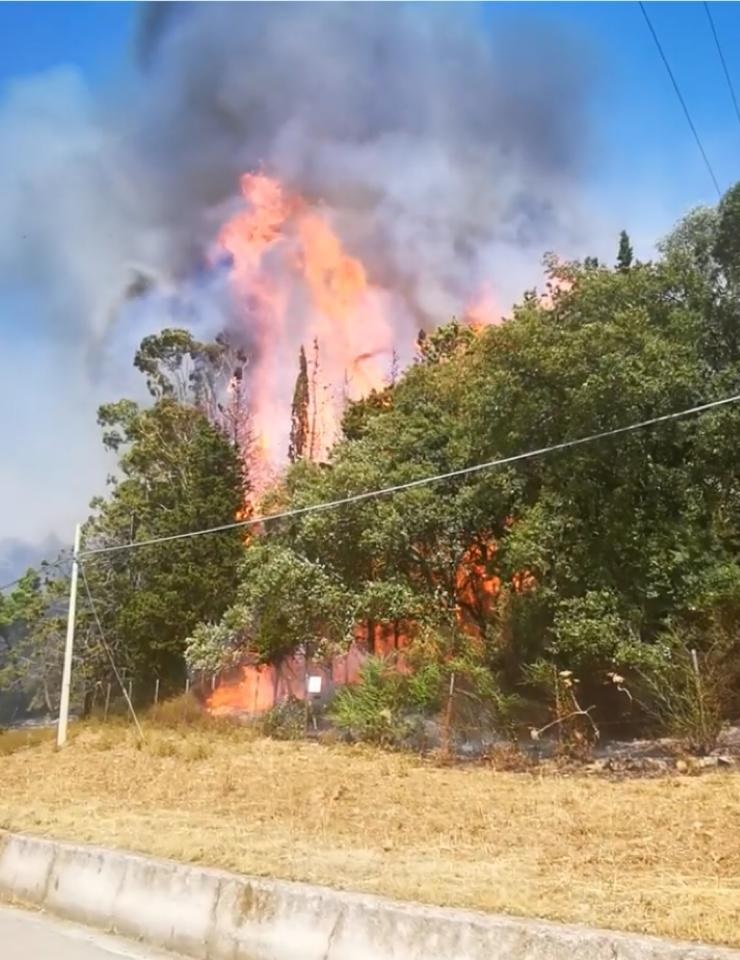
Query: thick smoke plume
445	150
439	142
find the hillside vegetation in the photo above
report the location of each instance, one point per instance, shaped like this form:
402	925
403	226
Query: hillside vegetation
605	582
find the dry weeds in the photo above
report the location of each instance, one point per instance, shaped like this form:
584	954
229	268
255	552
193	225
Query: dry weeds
659	856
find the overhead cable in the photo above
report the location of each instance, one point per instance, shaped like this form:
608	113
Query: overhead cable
421	482
728	78
681	100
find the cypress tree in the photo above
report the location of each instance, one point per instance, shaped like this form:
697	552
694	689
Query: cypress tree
624	256
299	412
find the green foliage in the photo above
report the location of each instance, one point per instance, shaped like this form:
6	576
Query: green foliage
619	538
285	721
625	253
591	634
688	698
299	425
388	706
598	552
726	248
373	710
359	413
445	342
177	365
32	632
284	602
177	473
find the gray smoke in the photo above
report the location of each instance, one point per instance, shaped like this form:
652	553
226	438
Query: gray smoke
435	139
446	149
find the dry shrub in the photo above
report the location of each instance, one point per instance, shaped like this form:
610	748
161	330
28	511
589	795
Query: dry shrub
182	711
194	749
510	758
106	739
285	721
13	740
161	746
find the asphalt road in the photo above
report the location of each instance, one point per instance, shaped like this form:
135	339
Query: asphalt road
35	936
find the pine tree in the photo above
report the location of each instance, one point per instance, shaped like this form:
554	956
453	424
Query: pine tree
299	412
625	254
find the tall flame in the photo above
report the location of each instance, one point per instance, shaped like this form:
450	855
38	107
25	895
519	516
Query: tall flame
295	284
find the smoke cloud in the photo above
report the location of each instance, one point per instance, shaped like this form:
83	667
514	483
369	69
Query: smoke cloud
446	150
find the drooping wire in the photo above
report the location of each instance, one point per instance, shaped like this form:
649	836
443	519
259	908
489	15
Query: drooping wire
106	649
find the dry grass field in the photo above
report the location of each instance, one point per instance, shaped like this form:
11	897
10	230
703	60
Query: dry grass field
654	855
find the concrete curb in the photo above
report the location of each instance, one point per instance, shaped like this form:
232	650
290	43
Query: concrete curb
213	915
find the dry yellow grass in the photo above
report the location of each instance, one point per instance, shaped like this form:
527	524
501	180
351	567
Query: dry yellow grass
660	856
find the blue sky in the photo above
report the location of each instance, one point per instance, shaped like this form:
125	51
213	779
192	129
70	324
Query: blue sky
644	140
643	172
37	36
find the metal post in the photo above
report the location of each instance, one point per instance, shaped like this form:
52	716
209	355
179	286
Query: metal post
69	645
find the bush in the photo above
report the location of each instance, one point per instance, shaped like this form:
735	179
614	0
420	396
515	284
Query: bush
387	707
371	710
688	698
285	721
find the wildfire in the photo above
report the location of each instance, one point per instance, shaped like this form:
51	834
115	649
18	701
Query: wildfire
482	310
295	284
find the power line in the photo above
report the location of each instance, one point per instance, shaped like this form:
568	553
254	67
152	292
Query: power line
728	78
46	564
677	89
423	481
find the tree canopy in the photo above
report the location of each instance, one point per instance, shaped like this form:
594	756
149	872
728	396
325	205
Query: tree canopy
590	558
618	540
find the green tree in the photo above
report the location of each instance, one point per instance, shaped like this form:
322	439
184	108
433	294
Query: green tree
32	633
625	253
621	539
177	474
299	425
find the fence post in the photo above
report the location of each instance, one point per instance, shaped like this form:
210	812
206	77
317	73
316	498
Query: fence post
156	691
699	694
213	682
107	702
447	738
187	685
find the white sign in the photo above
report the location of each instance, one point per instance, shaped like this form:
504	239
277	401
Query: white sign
314	684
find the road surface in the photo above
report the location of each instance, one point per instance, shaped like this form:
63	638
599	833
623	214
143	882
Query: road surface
36	936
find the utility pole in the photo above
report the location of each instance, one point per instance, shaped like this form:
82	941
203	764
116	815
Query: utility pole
69	645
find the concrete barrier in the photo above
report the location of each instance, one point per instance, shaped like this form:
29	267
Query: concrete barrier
213	915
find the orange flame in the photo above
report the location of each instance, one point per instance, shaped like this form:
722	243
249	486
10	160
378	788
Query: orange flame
295	285
482	310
